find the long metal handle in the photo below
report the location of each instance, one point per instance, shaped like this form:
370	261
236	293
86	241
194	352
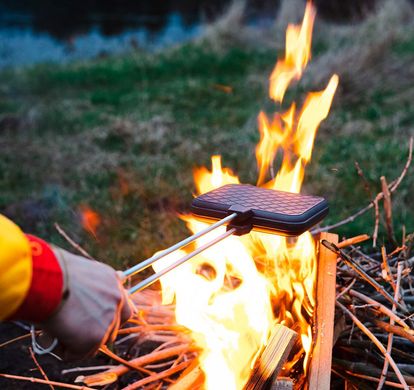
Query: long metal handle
146	263
153	278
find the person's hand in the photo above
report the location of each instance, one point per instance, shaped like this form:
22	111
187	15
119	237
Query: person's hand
93	307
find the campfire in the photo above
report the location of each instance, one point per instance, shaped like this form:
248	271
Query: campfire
238	300
232	295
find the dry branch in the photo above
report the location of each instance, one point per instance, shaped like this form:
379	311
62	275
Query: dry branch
72	242
158	376
136	363
40	367
387	209
390	335
378	344
351	263
45	382
353	241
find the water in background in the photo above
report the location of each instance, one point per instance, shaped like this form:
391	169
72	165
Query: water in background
33	31
24	45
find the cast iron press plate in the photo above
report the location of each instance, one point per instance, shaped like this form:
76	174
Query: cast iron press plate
278	212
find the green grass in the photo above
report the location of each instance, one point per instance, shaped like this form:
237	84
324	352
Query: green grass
123	134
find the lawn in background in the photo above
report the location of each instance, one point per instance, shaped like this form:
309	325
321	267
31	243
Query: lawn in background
122	135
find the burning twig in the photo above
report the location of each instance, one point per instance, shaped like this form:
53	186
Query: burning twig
273	357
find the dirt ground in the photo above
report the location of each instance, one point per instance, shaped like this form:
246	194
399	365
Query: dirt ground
15	359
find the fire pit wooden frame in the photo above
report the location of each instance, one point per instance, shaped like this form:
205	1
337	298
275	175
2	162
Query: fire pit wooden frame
319	377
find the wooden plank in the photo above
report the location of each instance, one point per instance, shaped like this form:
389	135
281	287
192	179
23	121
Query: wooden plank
320	367
273	357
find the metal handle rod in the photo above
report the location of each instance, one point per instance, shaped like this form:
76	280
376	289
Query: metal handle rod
146	263
153	278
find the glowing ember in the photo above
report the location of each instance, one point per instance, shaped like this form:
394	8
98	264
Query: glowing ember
232	294
90	219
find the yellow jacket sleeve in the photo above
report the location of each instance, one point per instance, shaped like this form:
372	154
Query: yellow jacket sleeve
15	267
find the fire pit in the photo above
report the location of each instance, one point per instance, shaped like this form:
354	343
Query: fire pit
229	299
232	295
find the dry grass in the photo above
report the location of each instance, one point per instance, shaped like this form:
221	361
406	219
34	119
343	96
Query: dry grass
362	54
123	134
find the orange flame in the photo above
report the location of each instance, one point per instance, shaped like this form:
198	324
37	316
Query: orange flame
298	52
232	294
90	219
206	181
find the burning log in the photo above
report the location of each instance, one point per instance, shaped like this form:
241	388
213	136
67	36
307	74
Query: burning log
273	357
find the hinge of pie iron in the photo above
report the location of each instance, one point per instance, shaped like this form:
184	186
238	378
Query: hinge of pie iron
243	222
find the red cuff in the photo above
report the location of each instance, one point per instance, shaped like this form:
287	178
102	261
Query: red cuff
45	292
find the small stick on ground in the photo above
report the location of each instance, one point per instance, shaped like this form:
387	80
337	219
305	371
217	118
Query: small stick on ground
45	382
25	336
40	367
80	369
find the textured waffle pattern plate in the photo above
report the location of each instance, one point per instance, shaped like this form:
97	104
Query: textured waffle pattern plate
274	211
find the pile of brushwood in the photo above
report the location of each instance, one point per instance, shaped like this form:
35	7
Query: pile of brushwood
374	322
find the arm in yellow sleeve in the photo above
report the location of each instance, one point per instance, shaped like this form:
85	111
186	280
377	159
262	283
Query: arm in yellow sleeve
15	267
